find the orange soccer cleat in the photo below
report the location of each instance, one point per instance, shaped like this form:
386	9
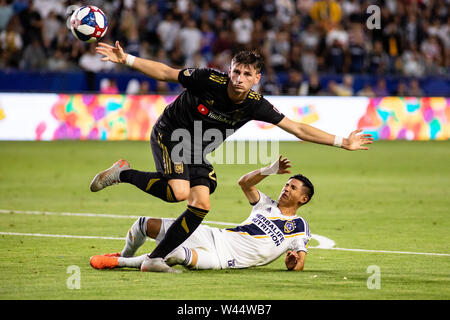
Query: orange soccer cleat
104	262
117	254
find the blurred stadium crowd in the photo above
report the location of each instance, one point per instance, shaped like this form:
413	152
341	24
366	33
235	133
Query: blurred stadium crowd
300	39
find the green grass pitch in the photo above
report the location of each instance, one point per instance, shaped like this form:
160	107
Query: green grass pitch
395	197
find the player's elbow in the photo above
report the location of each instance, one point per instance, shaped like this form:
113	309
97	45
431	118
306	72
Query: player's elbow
246	186
243	182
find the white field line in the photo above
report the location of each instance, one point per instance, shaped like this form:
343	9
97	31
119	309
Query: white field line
98	215
59	236
123	238
324	243
386	251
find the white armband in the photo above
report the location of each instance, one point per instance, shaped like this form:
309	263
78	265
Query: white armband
338	141
130	60
269	170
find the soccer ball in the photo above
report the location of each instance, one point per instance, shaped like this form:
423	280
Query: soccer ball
88	23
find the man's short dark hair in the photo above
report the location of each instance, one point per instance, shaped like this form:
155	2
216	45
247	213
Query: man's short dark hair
249	58
306	184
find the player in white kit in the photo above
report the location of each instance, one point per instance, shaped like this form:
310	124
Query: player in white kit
272	229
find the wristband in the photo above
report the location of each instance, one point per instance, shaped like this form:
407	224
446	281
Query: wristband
130	60
267	171
338	141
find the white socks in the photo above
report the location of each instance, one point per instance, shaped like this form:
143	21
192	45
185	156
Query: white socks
180	255
134	262
136	237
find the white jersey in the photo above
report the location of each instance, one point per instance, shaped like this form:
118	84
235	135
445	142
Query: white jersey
262	238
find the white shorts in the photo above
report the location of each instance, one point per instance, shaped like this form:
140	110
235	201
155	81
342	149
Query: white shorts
203	240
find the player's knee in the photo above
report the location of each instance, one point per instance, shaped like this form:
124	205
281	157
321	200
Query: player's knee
199	197
180	194
180	189
153	227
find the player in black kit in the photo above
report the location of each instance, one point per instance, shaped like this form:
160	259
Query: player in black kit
212	107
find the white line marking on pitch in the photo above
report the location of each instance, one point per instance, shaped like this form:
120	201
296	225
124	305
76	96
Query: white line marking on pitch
324	243
122	238
59	236
385	251
98	215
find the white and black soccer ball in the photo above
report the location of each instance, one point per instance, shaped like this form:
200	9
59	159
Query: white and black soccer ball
88	24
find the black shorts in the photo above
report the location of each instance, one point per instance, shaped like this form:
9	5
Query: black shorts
197	174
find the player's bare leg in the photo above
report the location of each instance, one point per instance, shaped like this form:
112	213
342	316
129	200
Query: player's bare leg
199	198
181	188
153	227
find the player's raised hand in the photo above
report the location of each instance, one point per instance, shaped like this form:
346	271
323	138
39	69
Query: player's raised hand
283	165
279	166
356	141
110	53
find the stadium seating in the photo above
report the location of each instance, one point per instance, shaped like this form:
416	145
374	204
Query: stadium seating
325	37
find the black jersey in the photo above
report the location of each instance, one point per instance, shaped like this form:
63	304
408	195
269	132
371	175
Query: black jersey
206	104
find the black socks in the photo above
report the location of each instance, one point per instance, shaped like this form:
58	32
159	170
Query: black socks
179	231
155	184
151	182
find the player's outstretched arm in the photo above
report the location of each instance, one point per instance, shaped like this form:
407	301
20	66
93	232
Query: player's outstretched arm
355	141
248	181
153	69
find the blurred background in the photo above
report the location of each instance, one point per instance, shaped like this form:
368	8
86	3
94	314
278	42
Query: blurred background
310	47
